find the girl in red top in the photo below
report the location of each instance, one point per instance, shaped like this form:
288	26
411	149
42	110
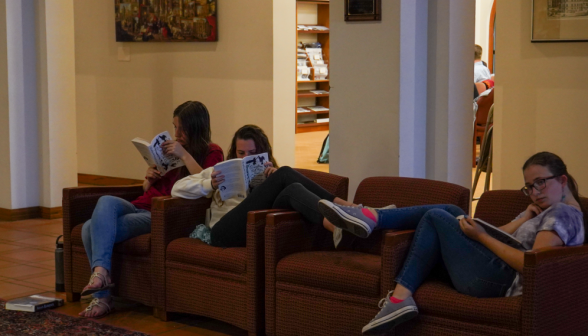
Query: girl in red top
115	219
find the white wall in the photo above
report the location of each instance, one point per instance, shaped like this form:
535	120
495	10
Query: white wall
483	11
117	101
540	101
365	62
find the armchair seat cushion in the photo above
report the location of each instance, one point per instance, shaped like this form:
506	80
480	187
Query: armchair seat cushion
438	298
195	252
345	272
137	246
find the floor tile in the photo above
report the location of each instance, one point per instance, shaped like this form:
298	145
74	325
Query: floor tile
55	229
9	247
48	264
39	241
28	255
4	264
18	225
23	272
10	290
14	235
47	280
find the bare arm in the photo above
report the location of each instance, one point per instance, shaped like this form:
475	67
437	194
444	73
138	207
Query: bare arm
531	211
513	257
176	149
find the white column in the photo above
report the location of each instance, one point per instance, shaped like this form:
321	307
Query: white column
284	85
57	105
413	88
19	167
450	91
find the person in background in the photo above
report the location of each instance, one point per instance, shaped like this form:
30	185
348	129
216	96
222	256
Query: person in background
115	219
481	72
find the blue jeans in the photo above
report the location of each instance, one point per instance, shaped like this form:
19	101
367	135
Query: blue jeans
474	269
113	220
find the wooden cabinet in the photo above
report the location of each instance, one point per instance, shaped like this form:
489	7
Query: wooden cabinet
312	13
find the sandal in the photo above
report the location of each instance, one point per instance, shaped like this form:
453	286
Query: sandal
96	302
105	284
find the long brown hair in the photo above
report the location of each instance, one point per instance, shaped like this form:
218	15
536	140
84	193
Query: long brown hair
194	120
255	133
558	168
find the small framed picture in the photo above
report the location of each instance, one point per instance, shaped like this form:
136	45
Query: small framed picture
363	10
560	21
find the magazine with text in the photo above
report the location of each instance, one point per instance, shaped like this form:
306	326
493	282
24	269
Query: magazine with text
241	175
152	153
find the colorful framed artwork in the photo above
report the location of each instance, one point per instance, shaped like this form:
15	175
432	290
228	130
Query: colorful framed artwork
560	21
166	20
363	10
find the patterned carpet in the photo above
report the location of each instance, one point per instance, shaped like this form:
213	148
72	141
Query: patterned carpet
50	323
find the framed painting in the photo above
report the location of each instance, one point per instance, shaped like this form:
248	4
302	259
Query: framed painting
363	10
166	20
560	21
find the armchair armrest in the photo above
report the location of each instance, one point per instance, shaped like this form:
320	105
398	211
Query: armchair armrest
171	218
394	250
554	279
285	234
256	222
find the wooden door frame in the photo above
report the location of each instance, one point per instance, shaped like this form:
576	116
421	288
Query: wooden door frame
491	38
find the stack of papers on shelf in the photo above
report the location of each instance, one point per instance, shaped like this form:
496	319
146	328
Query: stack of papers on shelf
321	28
318	108
302	110
315	28
319	91
322	120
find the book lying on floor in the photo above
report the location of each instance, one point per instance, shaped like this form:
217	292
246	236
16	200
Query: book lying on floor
34	303
498	234
241	175
152	153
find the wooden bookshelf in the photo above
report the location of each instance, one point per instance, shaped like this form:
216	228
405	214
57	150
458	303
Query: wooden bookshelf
303	95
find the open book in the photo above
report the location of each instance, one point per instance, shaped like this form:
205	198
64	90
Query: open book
498	234
241	175
153	153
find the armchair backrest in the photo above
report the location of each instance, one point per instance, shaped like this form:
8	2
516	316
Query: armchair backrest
500	207
334	184
406	191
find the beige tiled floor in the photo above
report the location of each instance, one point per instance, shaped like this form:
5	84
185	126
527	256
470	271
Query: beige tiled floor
27	267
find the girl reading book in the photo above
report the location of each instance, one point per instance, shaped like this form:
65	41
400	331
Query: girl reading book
115	219
284	188
492	268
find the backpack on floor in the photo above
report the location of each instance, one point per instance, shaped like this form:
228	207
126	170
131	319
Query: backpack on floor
324	154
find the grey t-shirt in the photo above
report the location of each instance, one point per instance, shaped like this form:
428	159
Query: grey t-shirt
564	219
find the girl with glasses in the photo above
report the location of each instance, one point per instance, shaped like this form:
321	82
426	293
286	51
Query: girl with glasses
492	269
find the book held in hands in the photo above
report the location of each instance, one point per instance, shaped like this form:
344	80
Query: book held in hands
34	303
241	175
152	153
498	234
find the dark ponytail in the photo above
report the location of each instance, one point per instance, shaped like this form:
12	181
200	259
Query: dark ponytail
558	168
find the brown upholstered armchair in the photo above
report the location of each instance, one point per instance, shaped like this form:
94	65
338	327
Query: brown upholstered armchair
196	278
554	299
131	259
312	289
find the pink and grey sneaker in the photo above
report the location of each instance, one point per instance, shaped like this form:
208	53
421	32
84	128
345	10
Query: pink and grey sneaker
392	313
357	220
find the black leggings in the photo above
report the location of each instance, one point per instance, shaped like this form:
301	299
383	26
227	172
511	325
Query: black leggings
284	189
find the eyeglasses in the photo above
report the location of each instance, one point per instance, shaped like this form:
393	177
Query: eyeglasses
538	185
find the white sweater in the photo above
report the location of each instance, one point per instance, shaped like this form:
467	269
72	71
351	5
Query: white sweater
200	185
